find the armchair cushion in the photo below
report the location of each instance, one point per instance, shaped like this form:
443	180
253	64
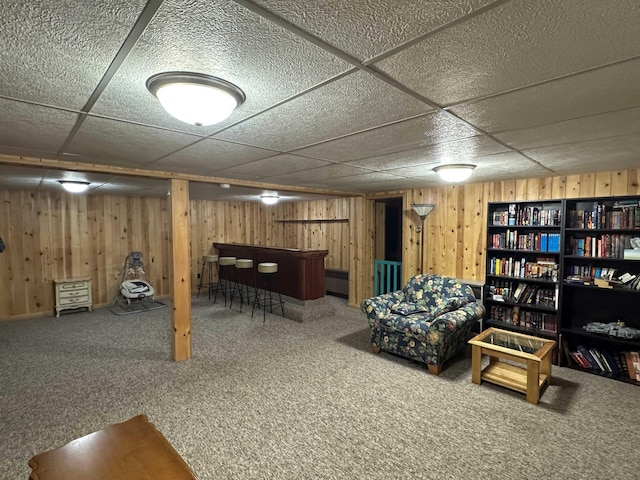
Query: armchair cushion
405	308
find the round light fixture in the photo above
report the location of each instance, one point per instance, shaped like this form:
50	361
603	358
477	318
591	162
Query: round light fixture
269	198
74	186
454	172
195	98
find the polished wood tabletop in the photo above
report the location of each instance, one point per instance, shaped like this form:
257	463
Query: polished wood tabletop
132	450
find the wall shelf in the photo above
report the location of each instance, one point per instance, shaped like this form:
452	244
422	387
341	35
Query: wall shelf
319	220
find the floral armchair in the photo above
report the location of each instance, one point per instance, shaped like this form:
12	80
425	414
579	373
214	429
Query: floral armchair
429	320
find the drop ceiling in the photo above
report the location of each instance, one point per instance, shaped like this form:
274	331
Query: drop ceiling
343	96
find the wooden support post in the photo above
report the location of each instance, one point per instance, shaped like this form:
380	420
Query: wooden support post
181	275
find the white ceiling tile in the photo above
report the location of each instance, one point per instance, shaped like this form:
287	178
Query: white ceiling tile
276	165
17	121
110	142
348	105
209	157
599	91
399	184
318	174
222	39
364	28
460	151
57	52
353	181
615	153
406	135
516	44
593	127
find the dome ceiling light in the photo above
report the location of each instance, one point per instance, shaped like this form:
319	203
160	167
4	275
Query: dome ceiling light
455	172
269	198
74	186
195	98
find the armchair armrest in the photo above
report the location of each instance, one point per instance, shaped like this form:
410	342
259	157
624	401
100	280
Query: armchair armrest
454	321
378	307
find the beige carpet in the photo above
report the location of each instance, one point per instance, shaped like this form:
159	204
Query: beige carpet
290	400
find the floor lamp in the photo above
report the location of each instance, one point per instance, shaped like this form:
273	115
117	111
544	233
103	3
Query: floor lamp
422	209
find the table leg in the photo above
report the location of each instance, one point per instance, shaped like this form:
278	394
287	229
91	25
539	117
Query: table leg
533	382
545	368
476	360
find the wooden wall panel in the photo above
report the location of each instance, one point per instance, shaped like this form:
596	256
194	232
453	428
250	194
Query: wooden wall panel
55	234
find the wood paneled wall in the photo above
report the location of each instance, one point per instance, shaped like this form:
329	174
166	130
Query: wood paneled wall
56	235
51	234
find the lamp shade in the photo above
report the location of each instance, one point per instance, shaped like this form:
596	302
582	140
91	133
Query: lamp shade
454	172
74	186
422	209
269	198
195	98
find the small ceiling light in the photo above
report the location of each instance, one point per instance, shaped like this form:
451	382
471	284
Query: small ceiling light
269	198
195	98
74	186
454	172
225	185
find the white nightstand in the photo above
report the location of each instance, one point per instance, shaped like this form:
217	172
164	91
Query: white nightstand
72	293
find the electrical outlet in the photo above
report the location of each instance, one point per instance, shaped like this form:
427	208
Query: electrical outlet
198	275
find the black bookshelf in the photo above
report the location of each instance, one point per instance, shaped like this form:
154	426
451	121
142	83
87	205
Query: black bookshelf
523	266
597	253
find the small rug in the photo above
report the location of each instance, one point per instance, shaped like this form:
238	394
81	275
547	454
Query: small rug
135	307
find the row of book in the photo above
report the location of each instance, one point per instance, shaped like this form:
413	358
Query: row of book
520	292
617	216
542	268
610	245
545	322
541	241
623	364
527	216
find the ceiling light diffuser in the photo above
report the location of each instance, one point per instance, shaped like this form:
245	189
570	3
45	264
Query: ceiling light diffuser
74	186
454	172
195	98
269	198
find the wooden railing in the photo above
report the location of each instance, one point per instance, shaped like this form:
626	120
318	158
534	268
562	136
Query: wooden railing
386	276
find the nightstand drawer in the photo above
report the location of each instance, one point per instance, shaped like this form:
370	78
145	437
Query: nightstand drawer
74	300
74	293
72	286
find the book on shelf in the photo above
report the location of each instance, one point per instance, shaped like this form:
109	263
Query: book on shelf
623	364
633	365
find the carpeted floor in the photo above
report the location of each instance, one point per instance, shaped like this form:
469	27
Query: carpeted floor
290	400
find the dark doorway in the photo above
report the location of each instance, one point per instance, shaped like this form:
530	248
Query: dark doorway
393	230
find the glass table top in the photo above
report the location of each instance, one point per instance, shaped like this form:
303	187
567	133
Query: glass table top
513	341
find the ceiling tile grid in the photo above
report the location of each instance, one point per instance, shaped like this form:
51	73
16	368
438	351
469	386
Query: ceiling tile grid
224	40
56	52
517	44
366	29
340	94
17	135
108	142
350	104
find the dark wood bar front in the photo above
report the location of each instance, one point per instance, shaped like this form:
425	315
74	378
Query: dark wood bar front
300	272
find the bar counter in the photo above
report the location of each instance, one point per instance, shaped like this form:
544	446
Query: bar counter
300	272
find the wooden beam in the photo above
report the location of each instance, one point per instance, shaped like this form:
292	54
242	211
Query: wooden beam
181	277
161	174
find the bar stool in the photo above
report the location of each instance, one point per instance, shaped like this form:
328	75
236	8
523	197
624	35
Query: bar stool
265	273
244	269
226	265
208	262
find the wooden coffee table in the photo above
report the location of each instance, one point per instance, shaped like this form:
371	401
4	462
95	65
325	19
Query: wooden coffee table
132	450
532	354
